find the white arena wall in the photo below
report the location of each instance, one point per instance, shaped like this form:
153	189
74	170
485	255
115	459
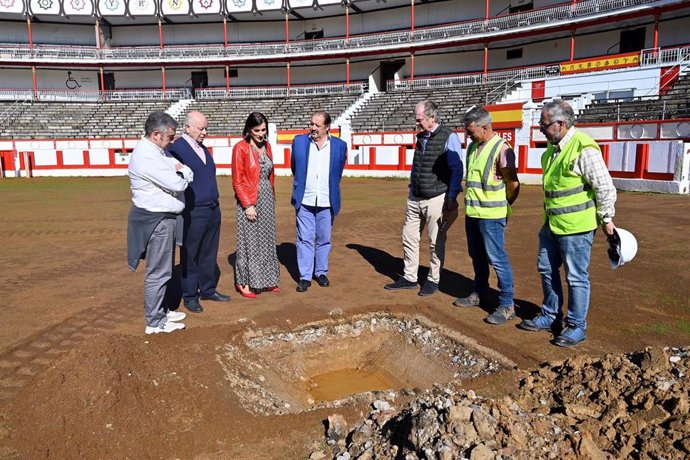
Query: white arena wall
649	165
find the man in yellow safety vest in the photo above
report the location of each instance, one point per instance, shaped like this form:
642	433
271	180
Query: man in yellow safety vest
578	196
492	186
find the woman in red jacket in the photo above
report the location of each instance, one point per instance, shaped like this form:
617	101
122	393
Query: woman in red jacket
256	266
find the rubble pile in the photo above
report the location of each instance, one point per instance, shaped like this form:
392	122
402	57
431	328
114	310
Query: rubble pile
634	405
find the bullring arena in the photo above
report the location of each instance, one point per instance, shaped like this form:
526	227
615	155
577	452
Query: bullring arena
352	370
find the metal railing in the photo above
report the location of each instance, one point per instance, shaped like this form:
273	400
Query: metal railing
12	109
443	34
279	91
472	79
59	95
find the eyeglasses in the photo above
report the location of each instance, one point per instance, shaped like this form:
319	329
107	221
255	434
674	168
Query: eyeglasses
546	126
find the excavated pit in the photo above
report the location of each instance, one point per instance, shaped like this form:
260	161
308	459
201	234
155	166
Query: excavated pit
331	363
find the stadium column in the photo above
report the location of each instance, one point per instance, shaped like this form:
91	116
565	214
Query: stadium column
33	76
347	40
227	79
225	32
287	42
347	71
412	16
411	65
572	44
160	40
347	23
31	37
163	78
98	48
486	61
656	31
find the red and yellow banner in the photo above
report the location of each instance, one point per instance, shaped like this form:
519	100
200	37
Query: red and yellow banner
286	136
615	61
505	116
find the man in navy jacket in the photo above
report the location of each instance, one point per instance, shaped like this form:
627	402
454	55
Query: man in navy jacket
317	163
201	216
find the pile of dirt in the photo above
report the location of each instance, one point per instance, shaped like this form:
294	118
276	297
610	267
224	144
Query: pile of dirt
632	405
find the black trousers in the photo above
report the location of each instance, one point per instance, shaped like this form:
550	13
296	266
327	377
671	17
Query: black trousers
200	251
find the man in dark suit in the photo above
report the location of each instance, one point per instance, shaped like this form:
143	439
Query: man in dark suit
201	216
317	163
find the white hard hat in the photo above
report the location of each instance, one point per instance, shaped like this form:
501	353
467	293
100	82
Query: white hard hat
622	247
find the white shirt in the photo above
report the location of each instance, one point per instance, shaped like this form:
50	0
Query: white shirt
318	169
196	147
156	185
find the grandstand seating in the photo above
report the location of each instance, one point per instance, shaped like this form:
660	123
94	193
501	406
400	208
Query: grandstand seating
80	120
393	111
227	116
672	104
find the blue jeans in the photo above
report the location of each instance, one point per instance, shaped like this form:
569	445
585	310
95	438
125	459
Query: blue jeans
313	240
486	245
572	251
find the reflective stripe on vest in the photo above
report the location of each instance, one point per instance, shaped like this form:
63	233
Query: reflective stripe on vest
485	197
569	201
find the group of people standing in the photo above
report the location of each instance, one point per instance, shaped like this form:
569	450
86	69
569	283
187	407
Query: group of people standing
176	200
179	185
578	197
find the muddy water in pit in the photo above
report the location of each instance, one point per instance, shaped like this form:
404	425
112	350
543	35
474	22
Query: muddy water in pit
341	383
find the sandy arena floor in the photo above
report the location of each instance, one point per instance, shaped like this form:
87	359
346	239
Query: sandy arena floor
79	379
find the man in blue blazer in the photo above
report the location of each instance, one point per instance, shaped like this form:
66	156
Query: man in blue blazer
201	216
317	163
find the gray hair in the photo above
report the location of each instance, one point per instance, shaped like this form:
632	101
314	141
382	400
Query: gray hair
430	109
559	110
159	121
477	115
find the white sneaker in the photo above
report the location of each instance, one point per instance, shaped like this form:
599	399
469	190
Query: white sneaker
167	327
176	315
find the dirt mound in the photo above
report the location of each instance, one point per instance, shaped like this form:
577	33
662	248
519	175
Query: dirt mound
633	405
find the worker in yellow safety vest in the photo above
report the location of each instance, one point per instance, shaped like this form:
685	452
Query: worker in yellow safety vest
492	186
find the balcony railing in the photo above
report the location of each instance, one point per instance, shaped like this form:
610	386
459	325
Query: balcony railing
279	91
60	95
444	34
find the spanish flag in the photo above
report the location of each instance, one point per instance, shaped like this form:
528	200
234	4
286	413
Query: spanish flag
504	116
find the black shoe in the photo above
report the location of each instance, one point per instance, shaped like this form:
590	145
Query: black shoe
323	281
193	305
402	283
216	297
429	288
303	285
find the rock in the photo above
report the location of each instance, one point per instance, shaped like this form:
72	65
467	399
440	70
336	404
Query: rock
482	422
653	416
587	448
445	453
679	405
366	455
579	411
318	455
681	424
481	452
423	428
459	414
381	405
381	418
337	427
654	360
